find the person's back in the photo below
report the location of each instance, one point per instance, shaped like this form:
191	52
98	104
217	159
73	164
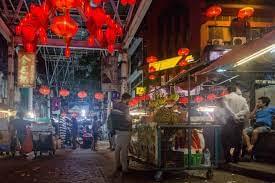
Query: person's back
121	113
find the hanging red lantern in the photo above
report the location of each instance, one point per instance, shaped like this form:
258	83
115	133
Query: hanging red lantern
29	47
99	35
64	93
152	77
183	100
183	52
152	69
18	30
99	16
99	96
213	11
199	99
245	12
67	52
64	26
44	90
111	49
91	40
131	2
97	2
151	59
183	63
124	2
66	4
82	94
211	97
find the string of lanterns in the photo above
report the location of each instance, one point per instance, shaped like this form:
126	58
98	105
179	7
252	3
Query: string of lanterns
45	90
33	27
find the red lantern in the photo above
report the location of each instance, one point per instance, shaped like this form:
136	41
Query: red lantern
152	69
29	47
131	2
124	2
91	40
213	11
152	77
97	2
82	94
245	12
65	4
111	48
183	63
64	26
64	93
44	90
183	51
183	100
199	99
99	96
211	96
67	52
110	36
151	59
99	16
99	35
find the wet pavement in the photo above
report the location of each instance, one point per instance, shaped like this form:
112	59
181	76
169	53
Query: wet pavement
84	166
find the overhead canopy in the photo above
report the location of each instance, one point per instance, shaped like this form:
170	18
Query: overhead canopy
242	53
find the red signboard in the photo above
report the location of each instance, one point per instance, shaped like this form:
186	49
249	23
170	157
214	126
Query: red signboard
26	70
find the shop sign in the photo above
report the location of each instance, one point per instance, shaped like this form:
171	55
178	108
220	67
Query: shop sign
140	91
166	64
26	70
265	82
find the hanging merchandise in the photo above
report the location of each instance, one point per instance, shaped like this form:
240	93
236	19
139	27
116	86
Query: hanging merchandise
44	90
213	11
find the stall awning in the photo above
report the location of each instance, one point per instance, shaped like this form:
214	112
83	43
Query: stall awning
241	53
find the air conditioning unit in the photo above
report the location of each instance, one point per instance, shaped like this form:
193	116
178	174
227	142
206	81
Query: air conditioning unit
217	42
239	40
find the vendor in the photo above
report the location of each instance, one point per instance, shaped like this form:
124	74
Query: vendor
19	124
263	123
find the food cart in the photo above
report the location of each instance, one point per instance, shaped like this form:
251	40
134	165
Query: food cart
171	138
5	129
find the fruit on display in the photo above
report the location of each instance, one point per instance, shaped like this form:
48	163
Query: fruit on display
166	115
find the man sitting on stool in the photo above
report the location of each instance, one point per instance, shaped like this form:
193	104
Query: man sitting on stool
263	122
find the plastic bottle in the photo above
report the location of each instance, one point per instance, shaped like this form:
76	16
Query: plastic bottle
207	156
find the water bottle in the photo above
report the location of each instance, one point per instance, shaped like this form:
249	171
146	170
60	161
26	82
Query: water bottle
207	156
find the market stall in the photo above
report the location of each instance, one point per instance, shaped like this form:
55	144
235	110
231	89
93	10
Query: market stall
171	133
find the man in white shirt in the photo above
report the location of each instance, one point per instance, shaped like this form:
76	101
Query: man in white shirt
232	130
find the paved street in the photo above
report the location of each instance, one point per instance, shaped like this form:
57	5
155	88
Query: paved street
84	166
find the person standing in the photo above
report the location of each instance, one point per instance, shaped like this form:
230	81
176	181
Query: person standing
121	123
19	125
232	130
95	129
74	132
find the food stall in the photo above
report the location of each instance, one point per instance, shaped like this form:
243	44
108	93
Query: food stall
5	132
170	133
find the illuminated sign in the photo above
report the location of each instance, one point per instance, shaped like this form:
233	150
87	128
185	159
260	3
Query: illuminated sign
140	90
166	64
26	70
